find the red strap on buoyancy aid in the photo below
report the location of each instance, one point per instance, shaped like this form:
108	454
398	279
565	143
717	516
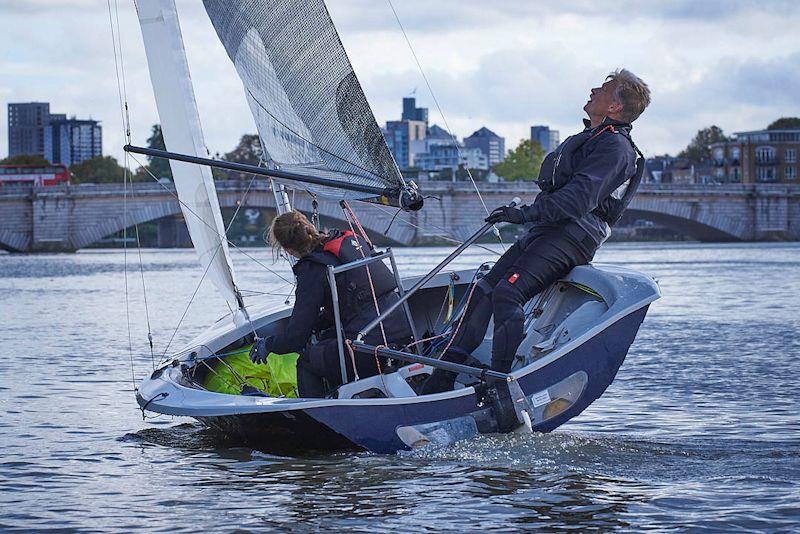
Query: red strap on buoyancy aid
335	245
609	127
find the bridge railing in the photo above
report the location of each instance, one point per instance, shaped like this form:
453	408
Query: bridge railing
427	187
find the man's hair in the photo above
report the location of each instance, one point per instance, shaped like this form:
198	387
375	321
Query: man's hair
631	92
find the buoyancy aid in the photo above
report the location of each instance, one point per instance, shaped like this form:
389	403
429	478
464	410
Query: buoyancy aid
353	286
558	168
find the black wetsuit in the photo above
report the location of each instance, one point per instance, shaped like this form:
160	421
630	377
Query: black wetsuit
313	314
570	217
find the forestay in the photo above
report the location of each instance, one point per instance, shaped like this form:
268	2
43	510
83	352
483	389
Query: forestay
310	110
180	124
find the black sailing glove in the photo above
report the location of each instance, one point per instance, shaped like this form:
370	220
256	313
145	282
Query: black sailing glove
261	349
506	214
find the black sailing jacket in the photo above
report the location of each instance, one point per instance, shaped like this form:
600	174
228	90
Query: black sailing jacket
313	308
579	178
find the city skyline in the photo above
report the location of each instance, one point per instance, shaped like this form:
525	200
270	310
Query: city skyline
523	65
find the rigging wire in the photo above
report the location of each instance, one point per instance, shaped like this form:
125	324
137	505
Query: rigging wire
125	179
222	239
127	119
443	236
194	294
441	112
190	210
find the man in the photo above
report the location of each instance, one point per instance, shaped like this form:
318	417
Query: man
571	218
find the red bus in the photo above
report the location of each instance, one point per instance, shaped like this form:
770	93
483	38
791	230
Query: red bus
34	175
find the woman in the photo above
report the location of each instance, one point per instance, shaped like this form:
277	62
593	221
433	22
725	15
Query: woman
313	310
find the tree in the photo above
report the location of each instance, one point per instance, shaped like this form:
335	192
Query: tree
158	166
522	163
25	159
785	123
99	170
698	150
248	151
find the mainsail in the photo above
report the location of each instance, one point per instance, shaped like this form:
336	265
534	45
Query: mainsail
180	124
309	108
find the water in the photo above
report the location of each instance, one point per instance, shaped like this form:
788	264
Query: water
699	430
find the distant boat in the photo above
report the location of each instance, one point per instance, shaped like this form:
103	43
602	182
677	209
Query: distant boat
320	135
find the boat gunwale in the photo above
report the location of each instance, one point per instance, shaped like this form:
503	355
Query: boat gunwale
273	404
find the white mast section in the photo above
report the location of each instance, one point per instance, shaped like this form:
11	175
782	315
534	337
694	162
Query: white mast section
180	125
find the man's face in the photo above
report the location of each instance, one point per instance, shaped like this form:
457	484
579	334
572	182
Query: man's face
601	101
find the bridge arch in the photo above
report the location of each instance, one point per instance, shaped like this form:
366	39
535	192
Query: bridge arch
691	217
145	209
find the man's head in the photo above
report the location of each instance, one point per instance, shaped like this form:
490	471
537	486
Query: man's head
622	97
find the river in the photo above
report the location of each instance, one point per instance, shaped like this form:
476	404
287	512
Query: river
701	428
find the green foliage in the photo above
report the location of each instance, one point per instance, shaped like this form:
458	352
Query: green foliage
522	163
248	151
25	159
99	170
785	123
698	149
158	166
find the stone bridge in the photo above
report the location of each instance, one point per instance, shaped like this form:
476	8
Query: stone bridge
68	218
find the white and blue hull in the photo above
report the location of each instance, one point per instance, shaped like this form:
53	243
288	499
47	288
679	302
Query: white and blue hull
562	374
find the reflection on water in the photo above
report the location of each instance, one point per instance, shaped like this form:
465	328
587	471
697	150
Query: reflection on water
700	429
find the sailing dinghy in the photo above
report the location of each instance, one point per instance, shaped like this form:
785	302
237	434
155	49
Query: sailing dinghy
319	134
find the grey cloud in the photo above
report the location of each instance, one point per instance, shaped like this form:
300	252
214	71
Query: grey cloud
69	62
444	15
522	88
769	83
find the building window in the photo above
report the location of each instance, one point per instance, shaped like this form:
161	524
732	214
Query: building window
765	154
718	154
766	174
791	155
735	152
790	173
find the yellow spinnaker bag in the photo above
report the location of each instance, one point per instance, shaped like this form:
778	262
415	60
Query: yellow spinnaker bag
276	378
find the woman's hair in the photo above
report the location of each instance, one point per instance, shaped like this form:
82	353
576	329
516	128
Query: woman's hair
292	231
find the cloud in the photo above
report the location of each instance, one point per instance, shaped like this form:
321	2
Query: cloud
505	64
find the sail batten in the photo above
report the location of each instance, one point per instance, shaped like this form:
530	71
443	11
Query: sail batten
310	110
180	125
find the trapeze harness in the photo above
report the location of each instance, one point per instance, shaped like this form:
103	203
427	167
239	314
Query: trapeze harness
610	208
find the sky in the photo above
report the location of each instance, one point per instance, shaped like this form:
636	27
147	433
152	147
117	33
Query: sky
504	64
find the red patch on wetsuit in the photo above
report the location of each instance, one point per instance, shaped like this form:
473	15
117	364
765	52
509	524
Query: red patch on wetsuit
513	278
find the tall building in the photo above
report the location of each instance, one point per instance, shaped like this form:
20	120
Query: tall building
761	156
71	141
403	137
441	150
489	143
400	137
451	155
548	138
26	123
412	113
